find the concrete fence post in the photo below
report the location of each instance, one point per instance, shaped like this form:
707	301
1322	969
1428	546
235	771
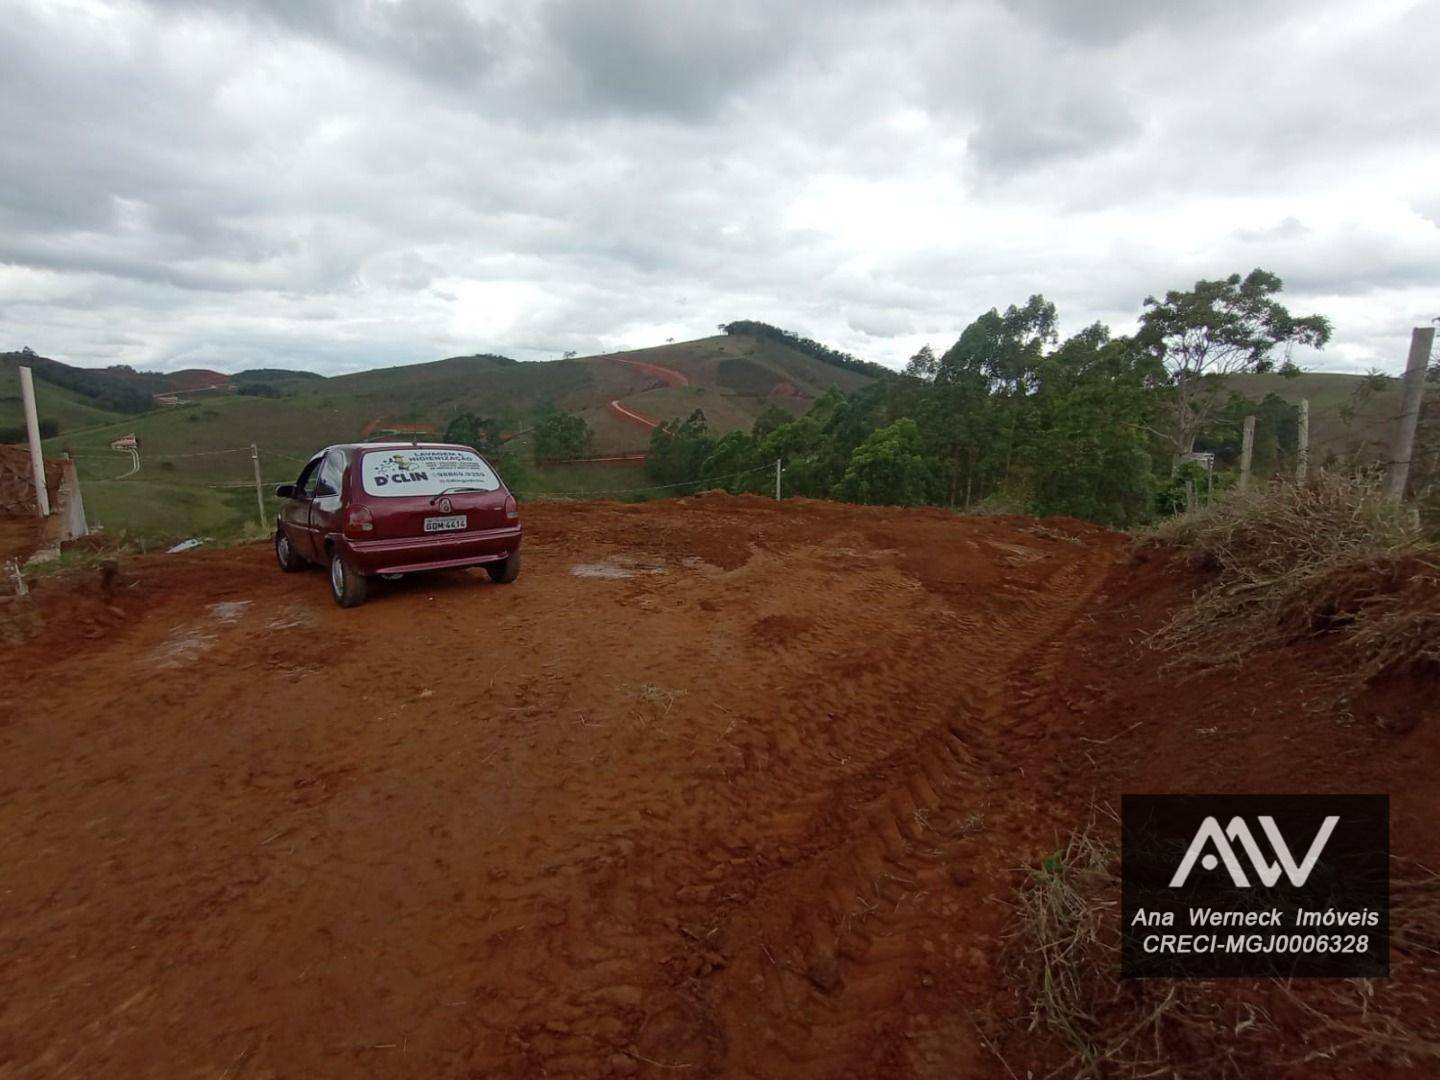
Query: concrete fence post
259	486
1302	444
32	431
1247	450
1402	448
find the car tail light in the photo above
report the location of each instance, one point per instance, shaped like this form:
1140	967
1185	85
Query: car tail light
512	508
358	521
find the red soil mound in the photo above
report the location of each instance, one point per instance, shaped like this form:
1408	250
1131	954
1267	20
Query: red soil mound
17	484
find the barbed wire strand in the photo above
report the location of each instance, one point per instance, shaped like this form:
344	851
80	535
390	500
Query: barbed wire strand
205	453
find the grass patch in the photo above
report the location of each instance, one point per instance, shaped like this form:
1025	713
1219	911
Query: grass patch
581	481
147	514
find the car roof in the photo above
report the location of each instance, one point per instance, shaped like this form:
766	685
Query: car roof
396	445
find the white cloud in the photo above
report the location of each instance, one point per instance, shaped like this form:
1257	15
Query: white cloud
339	184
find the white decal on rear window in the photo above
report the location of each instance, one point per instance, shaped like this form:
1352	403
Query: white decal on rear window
417	471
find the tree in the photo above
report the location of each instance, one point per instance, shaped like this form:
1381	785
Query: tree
982	382
771	417
561	435
923	364
731	464
480	432
678	449
1215	330
1002	348
889	468
812	465
1086	452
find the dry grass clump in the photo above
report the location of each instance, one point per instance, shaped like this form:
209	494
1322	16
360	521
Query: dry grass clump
1068	918
1282	525
1064	954
1291	562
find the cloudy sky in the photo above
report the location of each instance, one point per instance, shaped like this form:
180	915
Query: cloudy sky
338	184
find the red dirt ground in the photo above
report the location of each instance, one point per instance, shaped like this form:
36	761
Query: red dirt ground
721	786
19	537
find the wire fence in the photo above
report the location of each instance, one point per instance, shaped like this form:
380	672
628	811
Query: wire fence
769	467
271	462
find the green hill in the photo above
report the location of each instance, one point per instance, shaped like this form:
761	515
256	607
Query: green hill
196	475
66	408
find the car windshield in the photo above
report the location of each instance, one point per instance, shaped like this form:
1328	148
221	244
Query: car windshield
420	471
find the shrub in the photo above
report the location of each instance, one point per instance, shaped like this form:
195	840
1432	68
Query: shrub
561	435
1293	562
889	468
17	434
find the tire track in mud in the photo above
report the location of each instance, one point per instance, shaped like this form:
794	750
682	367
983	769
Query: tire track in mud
890	853
834	816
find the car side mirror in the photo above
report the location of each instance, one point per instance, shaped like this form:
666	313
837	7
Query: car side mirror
285	491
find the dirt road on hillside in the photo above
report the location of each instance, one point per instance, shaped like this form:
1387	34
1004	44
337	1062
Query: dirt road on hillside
630	416
669	376
719	787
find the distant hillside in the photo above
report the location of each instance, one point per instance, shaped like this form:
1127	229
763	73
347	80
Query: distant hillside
114	389
196	477
273	375
67	409
732	378
823	353
1351	416
194	379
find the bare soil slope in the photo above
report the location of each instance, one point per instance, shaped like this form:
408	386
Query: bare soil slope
719	786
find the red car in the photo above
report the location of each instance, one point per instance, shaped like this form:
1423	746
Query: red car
362	509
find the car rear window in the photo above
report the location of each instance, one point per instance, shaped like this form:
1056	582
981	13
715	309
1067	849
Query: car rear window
418	471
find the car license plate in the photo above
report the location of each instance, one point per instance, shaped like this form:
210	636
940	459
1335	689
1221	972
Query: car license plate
453	523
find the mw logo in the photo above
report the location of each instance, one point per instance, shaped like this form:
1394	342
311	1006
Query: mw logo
1237	832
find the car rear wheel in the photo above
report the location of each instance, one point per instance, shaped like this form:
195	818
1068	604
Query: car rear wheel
347	585
285	553
506	570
